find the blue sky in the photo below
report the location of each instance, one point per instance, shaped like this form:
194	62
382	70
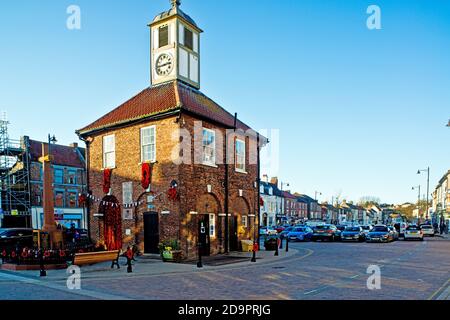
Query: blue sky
358	111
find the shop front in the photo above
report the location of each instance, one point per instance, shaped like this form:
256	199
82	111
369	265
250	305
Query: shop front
64	217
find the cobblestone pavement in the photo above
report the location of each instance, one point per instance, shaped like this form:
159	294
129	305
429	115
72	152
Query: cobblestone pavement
318	271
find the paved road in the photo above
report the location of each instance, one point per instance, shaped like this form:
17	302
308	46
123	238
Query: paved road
409	270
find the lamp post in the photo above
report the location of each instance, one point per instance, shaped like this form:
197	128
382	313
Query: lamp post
418	202
428	186
317	193
283	204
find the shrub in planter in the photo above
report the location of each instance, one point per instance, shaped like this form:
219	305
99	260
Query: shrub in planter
170	251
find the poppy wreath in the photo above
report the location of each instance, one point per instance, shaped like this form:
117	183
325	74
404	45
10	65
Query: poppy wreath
47	253
146	178
24	254
62	253
106	180
261	202
4	254
82	199
13	254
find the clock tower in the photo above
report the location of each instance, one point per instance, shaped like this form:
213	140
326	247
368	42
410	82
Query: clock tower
175	47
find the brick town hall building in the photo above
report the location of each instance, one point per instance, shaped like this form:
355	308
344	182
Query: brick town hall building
156	167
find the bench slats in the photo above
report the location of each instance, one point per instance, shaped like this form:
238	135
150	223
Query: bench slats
95	257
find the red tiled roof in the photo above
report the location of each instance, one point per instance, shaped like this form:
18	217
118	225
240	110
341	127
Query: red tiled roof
171	96
62	155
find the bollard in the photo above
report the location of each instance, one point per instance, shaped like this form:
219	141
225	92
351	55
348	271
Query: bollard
287	244
276	251
43	272
254	252
199	263
281	242
129	266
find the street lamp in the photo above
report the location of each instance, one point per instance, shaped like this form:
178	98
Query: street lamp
317	193
428	185
418	202
282	203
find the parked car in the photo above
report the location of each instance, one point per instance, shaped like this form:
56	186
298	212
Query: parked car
326	232
413	232
12	238
403	226
353	234
280	228
380	233
285	232
366	229
267	231
300	234
394	232
427	230
341	228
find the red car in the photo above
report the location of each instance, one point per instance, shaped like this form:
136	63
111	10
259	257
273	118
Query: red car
281	228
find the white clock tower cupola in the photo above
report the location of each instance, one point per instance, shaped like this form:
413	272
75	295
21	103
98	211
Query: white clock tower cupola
175	47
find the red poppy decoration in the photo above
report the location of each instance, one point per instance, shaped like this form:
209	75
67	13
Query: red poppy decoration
24	253
4	253
146	178
261	202
173	193
62	253
13	254
82	199
106	180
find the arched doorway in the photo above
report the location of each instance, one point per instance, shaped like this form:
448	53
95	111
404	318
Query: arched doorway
110	208
239	224
209	226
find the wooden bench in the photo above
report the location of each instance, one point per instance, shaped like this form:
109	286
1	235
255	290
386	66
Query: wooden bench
82	259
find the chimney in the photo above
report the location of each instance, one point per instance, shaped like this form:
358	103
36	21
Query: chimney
73	145
274	181
265	178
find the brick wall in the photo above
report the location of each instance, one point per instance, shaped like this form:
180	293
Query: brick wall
192	180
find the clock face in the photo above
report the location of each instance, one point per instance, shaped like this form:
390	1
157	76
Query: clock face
164	64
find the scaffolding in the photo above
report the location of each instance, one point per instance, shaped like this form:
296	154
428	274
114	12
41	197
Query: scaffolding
15	197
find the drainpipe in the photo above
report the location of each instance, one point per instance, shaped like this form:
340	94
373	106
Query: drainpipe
87	215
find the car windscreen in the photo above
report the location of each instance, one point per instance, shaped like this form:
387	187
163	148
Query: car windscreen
380	229
427	227
366	228
352	229
299	229
322	228
412	228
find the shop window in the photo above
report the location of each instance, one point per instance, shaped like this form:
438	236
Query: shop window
73	200
59	199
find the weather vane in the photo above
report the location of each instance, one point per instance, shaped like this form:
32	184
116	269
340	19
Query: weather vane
175	3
